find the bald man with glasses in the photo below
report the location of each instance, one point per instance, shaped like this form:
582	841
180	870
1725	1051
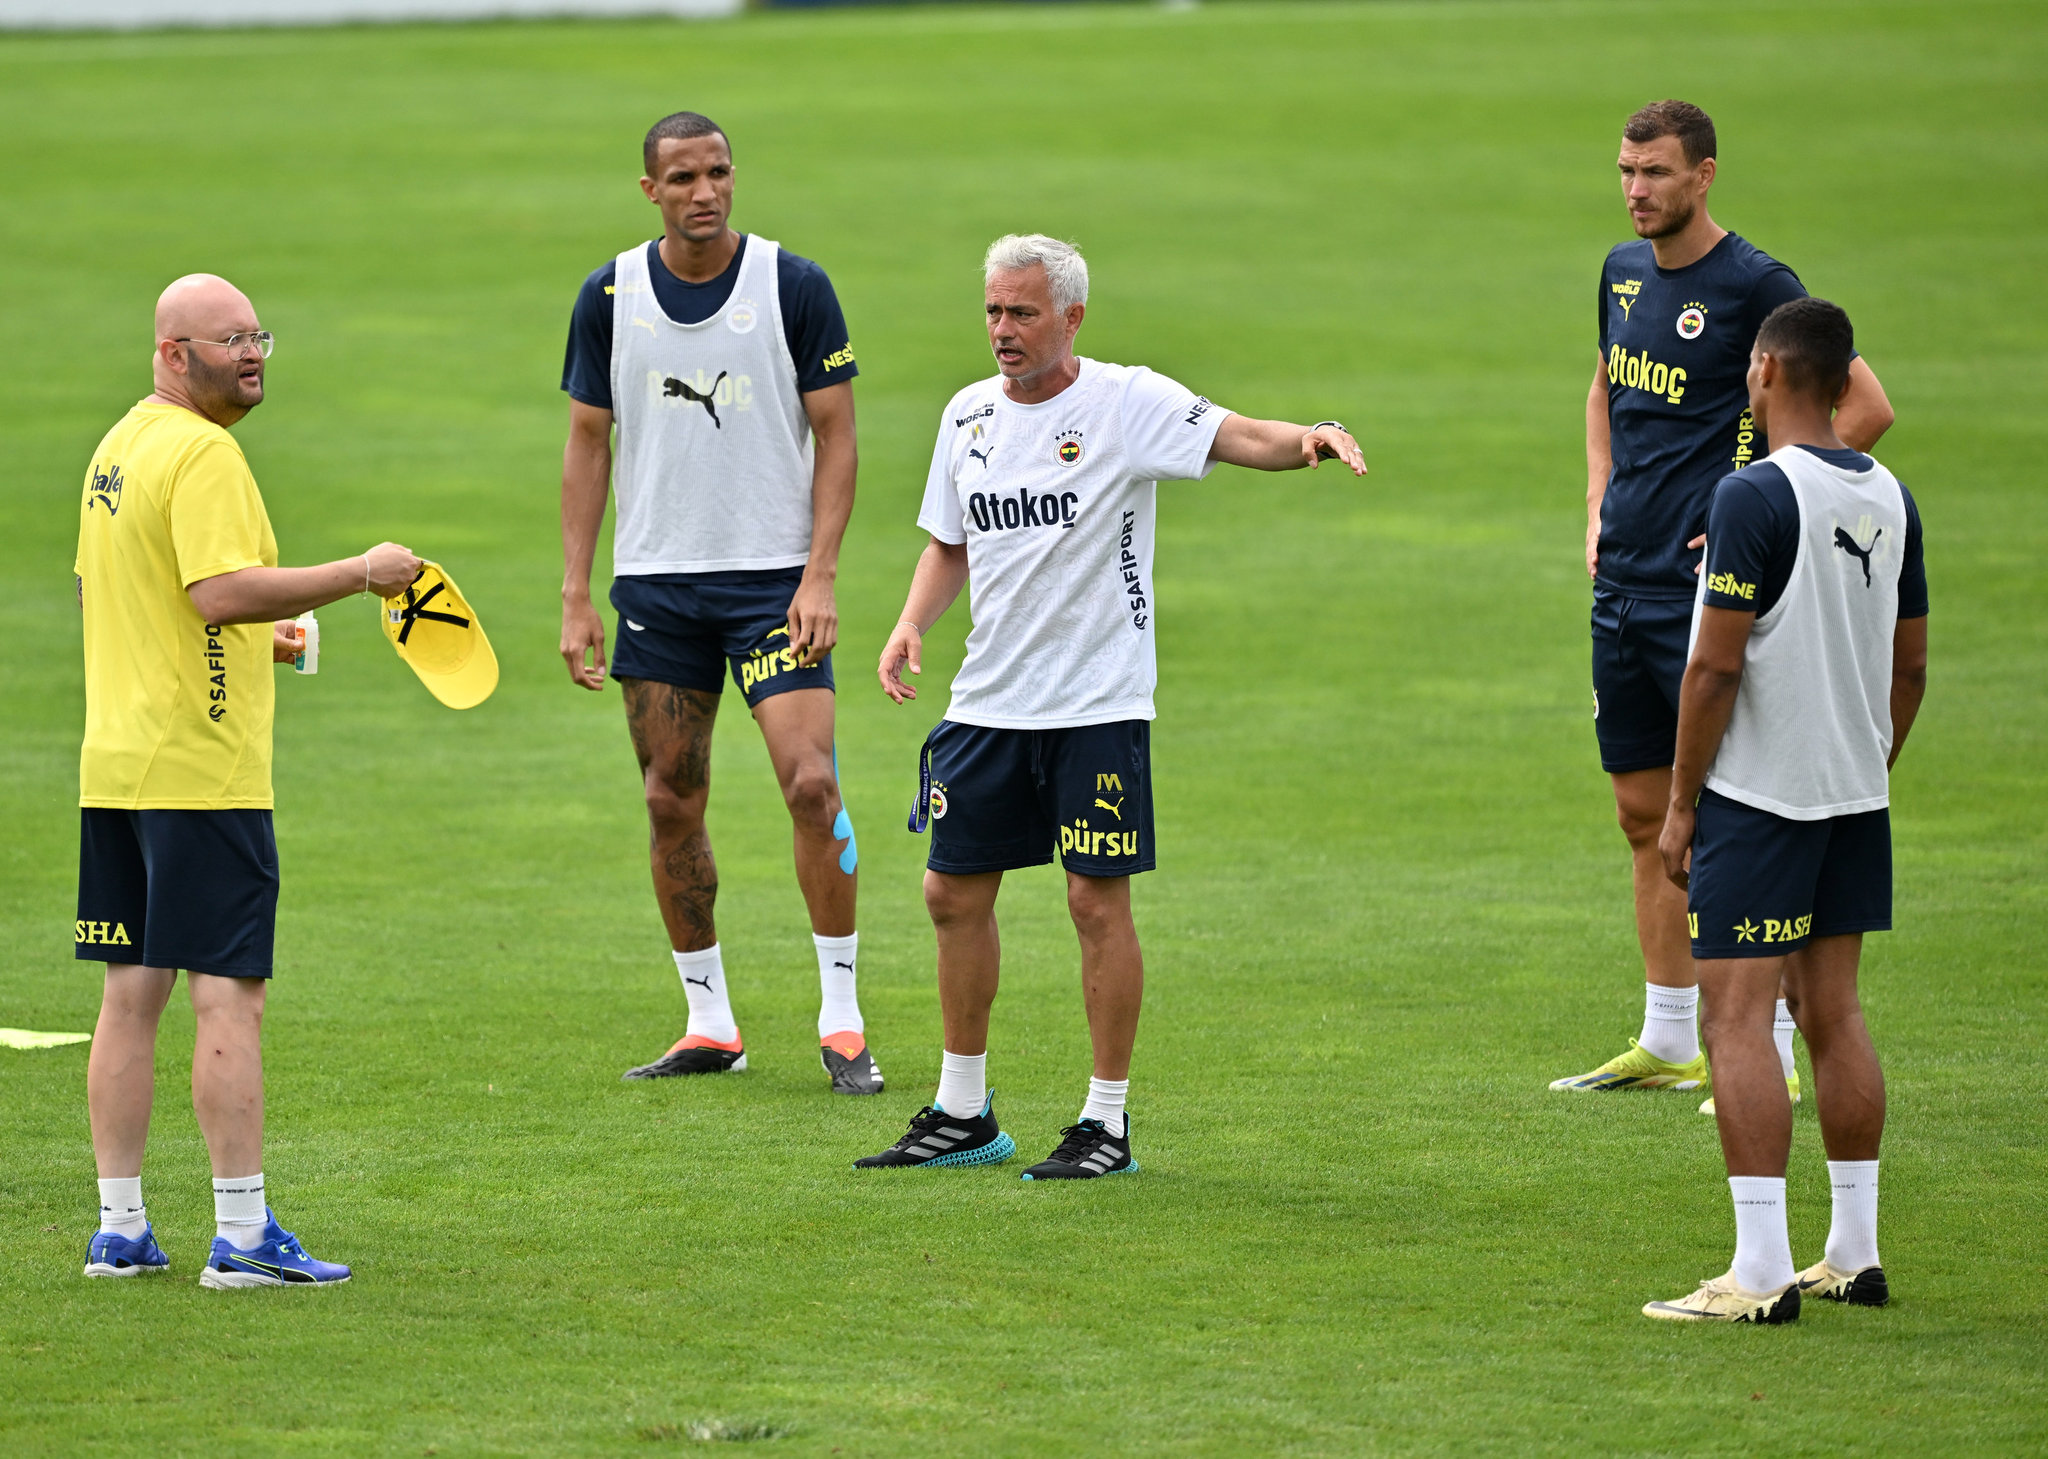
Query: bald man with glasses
185	611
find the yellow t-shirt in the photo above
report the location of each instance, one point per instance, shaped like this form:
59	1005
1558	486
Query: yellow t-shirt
177	711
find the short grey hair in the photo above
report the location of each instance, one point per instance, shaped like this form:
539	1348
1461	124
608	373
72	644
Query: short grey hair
1066	272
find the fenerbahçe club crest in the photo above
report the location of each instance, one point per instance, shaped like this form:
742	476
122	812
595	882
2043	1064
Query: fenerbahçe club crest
1067	448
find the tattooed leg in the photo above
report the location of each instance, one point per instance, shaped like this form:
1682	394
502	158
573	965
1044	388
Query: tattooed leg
671	730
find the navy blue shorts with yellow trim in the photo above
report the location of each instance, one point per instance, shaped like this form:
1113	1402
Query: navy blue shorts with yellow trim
1639	652
1002	799
686	628
195	890
1762	884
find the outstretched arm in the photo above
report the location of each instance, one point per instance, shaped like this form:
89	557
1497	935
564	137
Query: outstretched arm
266	594
941	574
1278	445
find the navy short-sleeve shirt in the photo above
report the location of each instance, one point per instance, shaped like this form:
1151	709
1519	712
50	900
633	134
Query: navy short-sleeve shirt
1677	345
1753	536
811	320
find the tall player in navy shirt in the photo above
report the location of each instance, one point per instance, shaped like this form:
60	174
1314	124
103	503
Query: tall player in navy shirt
1668	417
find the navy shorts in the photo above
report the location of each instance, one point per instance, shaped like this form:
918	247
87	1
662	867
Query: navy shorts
195	890
1762	885
1639	652
1001	799
685	628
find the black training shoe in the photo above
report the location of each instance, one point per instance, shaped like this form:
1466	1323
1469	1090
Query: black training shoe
693	1054
1866	1288
851	1064
1087	1150
937	1138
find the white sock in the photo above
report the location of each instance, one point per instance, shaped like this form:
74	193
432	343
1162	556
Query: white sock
963	1084
1670	1023
1852	1235
1763	1248
1106	1103
1782	1029
704	985
838	1003
238	1214
121	1209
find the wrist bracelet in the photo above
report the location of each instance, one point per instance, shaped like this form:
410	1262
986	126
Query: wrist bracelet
366	573
907	623
1337	423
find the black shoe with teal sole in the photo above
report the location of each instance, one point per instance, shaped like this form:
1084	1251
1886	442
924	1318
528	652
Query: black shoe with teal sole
938	1138
1085	1151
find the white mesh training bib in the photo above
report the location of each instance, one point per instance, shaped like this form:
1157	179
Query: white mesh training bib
713	468
1812	724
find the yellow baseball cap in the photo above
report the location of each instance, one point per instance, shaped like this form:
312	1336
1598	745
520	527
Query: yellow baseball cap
436	631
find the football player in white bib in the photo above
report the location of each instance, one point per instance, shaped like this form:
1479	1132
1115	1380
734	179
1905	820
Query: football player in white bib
1807	668
1040	502
723	362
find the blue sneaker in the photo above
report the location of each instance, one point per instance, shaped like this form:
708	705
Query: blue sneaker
278	1262
114	1255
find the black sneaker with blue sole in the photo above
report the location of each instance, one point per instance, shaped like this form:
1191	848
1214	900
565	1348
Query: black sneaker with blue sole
938	1138
1085	1151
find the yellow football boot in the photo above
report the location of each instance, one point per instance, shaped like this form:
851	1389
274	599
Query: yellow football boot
1638	1069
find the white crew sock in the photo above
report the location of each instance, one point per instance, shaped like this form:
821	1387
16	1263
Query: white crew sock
121	1209
704	985
1852	1235
1106	1103
963	1084
1782	1029
838	1002
1763	1247
238	1214
1670	1023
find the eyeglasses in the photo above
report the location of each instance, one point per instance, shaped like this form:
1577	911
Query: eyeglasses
262	340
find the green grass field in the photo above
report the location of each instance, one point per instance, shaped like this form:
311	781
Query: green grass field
1391	902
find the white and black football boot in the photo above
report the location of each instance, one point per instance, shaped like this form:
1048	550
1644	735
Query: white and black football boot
851	1063
694	1054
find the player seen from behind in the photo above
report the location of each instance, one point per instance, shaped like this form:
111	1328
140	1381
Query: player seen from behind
725	365
1667	417
185	611
1808	662
1041	502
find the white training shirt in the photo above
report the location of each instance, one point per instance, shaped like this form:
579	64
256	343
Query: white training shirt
1055	503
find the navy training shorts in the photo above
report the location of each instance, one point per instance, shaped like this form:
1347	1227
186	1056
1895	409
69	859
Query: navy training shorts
686	628
1762	884
193	889
1002	799
1639	653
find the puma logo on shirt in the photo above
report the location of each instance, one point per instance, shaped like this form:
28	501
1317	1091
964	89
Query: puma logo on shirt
1862	554
981	456
673	386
